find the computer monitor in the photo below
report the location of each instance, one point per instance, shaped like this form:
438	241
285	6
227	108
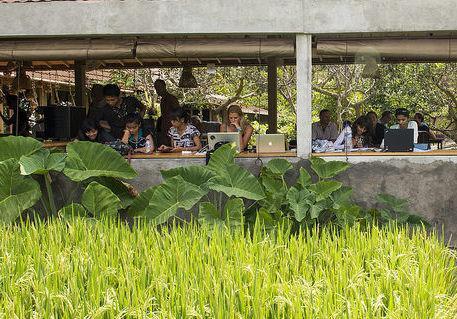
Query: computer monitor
222	138
399	140
270	143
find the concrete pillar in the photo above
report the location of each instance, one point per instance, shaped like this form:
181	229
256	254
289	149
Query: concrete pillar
304	98
272	96
80	83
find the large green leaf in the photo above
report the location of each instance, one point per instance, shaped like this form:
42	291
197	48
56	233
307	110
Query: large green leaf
239	182
329	169
323	189
17	192
208	215
233	211
320	206
341	197
172	194
73	210
87	159
100	200
278	166
392	202
17	146
348	214
119	188
304	179
222	157
300	202
200	176
140	203
42	162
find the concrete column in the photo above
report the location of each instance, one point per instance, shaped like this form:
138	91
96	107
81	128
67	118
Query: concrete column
272	96
304	78
80	83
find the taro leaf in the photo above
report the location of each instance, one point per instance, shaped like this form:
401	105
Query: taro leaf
208	215
233	212
73	210
318	207
278	166
222	157
239	182
341	197
323	189
17	193
99	200
265	219
119	188
197	175
329	169
304	179
42	162
17	146
392	202
275	192
87	159
347	214
140	203
300	202
172	194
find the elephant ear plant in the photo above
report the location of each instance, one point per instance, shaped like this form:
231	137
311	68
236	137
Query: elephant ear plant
24	161
220	190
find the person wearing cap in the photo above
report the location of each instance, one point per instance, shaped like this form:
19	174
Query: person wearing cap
403	122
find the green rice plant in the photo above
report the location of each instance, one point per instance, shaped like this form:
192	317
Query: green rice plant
85	268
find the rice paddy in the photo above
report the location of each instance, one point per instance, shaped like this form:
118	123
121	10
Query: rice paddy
104	269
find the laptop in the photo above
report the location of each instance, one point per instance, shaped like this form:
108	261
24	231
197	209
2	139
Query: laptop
270	143
399	140
220	138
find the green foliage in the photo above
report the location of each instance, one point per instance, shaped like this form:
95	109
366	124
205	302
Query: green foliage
17	146
72	210
172	194
17	193
329	169
86	160
99	200
141	202
42	162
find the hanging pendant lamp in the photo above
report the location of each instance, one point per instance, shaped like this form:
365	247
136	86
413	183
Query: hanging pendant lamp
187	79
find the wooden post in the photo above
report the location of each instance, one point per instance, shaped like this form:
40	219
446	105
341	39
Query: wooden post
304	96
272	96
80	83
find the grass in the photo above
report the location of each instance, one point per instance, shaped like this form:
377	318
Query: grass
85	269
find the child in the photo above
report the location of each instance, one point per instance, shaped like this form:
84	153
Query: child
91	132
184	136
138	138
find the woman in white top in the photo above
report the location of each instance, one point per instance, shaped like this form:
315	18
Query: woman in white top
402	116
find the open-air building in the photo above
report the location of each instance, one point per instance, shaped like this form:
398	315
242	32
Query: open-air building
88	35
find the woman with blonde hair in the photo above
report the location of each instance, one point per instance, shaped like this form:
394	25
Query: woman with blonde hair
237	123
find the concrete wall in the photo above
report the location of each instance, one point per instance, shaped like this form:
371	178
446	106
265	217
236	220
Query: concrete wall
109	17
429	185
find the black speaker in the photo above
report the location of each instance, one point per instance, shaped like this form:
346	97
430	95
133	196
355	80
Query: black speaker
62	122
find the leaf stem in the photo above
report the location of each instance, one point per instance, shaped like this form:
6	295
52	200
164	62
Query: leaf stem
47	181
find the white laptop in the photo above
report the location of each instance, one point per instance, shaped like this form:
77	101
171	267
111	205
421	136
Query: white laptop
270	143
224	137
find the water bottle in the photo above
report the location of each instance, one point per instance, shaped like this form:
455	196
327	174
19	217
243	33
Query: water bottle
148	146
347	138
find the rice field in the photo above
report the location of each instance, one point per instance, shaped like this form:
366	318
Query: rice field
103	269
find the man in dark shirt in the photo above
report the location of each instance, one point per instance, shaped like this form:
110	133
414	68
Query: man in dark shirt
112	116
168	104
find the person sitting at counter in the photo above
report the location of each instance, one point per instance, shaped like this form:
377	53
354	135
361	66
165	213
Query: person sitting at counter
138	138
237	123
361	137
91	132
324	129
423	127
111	117
183	135
376	129
403	122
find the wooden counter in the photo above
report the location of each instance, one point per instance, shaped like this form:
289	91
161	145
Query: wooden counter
180	155
371	153
57	144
